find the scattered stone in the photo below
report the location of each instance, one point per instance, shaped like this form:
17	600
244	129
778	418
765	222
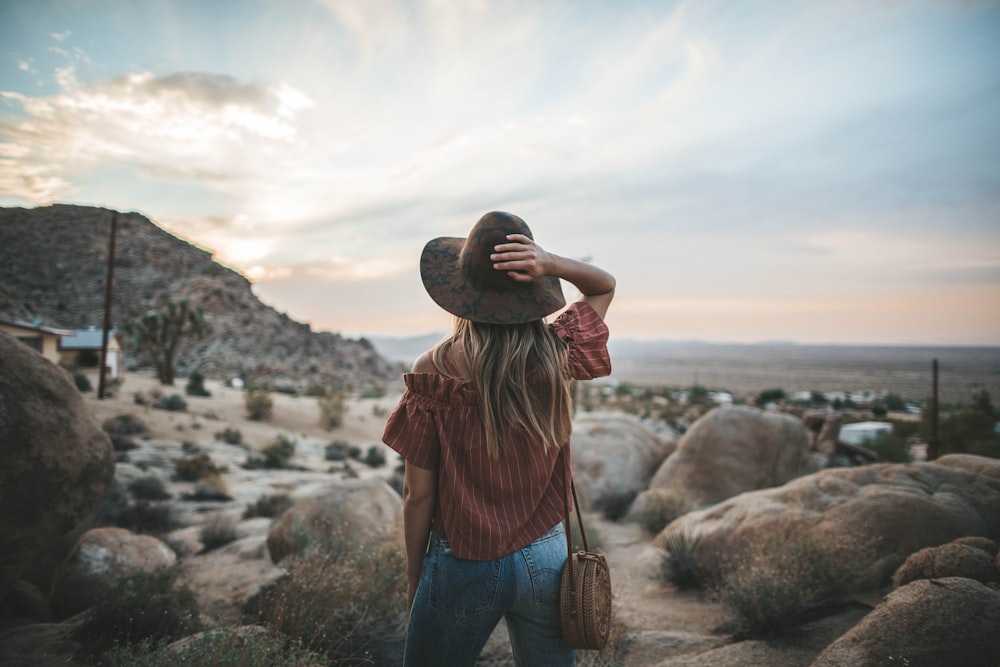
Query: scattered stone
100	558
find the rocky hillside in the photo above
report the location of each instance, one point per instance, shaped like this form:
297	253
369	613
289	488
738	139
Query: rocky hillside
53	267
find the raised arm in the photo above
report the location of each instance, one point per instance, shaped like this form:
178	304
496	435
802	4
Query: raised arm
524	261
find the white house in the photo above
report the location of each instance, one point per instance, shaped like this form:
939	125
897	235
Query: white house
862	433
90	340
39	338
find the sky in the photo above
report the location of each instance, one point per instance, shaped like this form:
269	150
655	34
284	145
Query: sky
809	171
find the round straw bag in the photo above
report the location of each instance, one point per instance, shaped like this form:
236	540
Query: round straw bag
585	600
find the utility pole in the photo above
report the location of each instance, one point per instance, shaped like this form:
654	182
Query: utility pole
932	444
107	305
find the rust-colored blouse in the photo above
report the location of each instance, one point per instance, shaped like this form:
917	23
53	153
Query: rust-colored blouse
489	508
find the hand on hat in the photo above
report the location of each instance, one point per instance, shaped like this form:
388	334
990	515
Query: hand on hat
522	258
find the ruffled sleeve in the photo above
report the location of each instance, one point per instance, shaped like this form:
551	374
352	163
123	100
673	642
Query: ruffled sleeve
586	337
413	428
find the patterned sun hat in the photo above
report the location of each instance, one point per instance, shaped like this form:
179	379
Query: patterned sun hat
458	275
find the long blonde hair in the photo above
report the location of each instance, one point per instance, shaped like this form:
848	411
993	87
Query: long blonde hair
519	374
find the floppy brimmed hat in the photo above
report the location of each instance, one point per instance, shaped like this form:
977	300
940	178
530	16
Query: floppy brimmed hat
459	275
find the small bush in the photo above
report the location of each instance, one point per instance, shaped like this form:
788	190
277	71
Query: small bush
890	447
375	458
222	647
82	382
660	509
269	506
279	452
343	600
143	516
259	405
230	436
196	385
679	565
217	531
210	487
146	606
122	443
193	468
171	403
125	424
332	408
340	451
774	587
149	487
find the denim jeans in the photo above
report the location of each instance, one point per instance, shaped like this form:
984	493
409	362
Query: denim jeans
459	602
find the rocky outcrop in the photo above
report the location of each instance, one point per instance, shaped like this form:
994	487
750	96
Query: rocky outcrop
54	268
101	558
875	515
57	462
950	621
732	450
362	512
614	456
955	559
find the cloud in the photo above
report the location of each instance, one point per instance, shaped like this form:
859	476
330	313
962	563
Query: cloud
182	126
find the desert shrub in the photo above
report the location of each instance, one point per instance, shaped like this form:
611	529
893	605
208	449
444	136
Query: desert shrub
149	487
774	587
222	647
971	431
373	392
269	506
218	530
375	457
122	443
770	396
332	408
678	564
230	436
278	452
340	451
340	599
210	487
82	382
258	404
143	516
890	447
196	385
193	468
171	403
659	509
124	424
146	606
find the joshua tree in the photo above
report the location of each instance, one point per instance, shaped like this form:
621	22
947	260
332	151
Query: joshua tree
157	333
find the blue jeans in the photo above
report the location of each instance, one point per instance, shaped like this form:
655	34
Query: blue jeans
459	603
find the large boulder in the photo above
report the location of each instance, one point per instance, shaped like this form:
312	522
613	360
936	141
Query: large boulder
614	457
950	621
734	449
948	560
101	558
57	462
360	511
873	515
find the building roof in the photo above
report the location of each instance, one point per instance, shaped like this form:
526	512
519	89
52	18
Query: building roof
36	326
85	339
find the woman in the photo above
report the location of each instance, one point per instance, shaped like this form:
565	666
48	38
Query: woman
484	428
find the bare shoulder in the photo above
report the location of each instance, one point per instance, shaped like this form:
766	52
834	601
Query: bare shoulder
424	364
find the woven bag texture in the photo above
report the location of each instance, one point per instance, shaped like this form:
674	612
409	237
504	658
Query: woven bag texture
586	607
